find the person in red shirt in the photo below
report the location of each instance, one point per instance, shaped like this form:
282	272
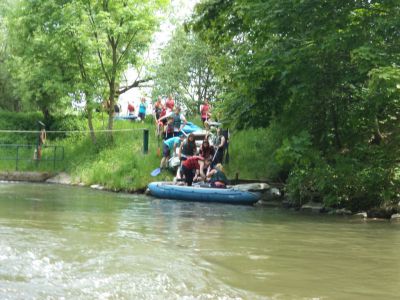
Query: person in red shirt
169	104
205	111
131	109
193	167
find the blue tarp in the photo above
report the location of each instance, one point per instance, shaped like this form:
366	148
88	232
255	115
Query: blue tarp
190	127
125	117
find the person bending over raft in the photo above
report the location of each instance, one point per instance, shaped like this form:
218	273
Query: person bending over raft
217	177
169	145
193	167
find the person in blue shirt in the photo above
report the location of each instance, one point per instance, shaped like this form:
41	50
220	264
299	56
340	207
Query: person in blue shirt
168	145
142	109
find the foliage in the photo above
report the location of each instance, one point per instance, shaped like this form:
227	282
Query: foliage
252	154
78	47
8	99
118	166
328	73
185	70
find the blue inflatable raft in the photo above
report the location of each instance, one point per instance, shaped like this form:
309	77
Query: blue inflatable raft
125	117
202	194
190	127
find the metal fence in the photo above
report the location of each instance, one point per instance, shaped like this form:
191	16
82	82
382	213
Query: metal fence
19	152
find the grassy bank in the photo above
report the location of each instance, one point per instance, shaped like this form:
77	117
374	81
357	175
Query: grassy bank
120	164
349	179
117	164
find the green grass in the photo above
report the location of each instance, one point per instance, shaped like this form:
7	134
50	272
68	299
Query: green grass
121	164
117	165
252	154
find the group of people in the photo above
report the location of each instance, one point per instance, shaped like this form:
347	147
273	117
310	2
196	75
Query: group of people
131	109
142	109
203	164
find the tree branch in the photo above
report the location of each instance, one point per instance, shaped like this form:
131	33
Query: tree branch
92	22
133	85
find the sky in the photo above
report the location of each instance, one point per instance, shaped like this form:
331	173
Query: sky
180	10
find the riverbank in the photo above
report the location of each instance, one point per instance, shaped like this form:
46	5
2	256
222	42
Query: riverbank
117	162
272	197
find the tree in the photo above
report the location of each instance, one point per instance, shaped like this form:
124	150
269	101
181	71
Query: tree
325	70
80	47
8	99
185	69
119	32
273	57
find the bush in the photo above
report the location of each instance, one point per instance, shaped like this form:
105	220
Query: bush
67	123
15	121
344	180
252	154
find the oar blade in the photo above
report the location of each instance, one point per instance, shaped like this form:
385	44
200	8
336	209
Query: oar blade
155	172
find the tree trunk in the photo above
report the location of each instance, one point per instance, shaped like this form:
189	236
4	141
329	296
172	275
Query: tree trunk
377	133
46	116
111	109
90	123
335	121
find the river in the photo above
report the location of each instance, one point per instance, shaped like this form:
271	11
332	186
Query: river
62	242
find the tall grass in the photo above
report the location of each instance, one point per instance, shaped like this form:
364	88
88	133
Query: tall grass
252	155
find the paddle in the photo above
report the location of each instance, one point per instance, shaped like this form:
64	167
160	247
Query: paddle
158	147
212	161
184	133
155	172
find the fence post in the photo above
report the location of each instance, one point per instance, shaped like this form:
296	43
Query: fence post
54	157
16	163
145	141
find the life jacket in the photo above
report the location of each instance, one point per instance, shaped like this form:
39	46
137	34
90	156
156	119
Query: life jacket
189	148
206	152
177	120
170	128
217	140
169	131
219	177
158	108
